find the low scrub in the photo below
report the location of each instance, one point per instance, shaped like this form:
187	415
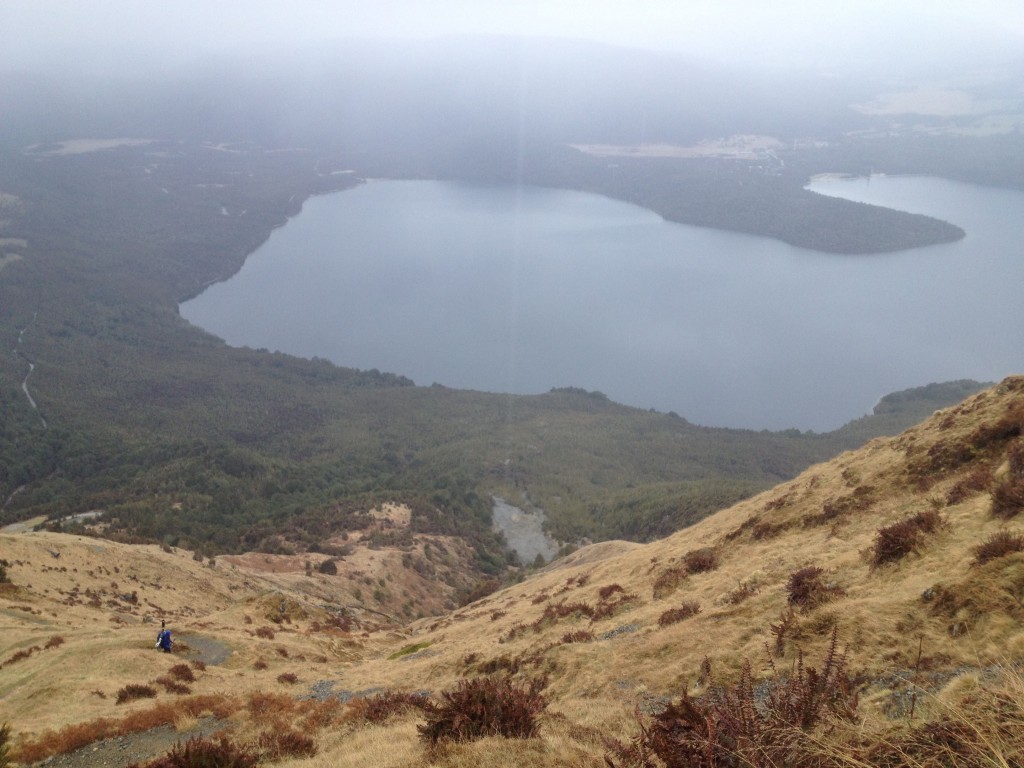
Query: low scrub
999	544
675	615
172	686
578	636
896	541
668	581
134	691
182	672
485	706
277	745
382	706
735	726
205	753
807	588
700	560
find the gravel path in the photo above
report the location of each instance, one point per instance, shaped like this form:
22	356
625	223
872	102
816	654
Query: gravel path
123	751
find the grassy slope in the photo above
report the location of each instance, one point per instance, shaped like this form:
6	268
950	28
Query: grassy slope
966	617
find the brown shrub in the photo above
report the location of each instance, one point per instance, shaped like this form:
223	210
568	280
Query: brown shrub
266	706
134	691
674	615
378	708
259	664
975	482
288	678
182	672
742	592
608	608
578	636
172	686
484	706
54	642
806	589
895	541
608	590
1008	498
736	727
265	632
700	560
997	545
198	665
277	745
668	581
860	500
205	753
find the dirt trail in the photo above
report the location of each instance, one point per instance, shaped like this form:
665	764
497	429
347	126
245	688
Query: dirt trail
122	751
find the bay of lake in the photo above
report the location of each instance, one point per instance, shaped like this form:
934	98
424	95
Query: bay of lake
521	289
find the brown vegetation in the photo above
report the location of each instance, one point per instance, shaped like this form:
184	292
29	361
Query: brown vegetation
485	706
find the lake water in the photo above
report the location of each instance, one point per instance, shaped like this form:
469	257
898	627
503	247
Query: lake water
519	290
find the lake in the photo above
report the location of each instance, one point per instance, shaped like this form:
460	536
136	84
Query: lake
521	289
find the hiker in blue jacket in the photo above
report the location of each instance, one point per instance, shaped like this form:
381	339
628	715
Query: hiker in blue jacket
163	640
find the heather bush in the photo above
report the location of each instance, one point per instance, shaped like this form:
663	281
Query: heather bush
668	581
895	541
1008	497
700	560
734	726
674	615
288	678
997	545
134	691
172	686
378	708
743	590
608	590
182	672
578	636
975	482
277	745
205	753
485	706
807	590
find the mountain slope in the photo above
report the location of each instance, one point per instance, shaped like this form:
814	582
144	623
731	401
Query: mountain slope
597	623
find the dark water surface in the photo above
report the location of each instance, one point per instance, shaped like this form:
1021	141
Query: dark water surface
519	290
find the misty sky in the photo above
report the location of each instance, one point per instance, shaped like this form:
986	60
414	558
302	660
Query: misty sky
805	32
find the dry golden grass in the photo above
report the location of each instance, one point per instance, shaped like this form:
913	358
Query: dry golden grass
962	615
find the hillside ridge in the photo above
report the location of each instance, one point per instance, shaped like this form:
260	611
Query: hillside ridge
598	625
